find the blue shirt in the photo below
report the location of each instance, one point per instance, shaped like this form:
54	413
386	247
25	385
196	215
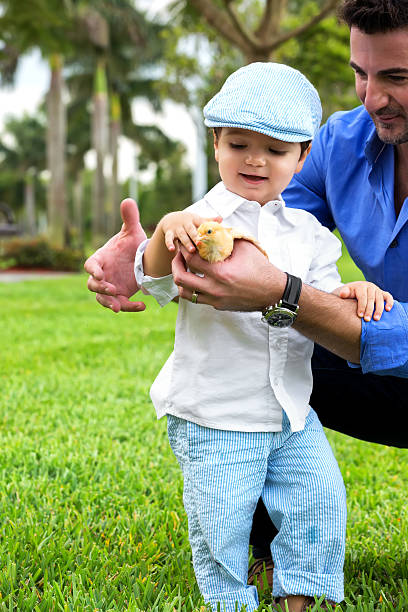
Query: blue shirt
347	182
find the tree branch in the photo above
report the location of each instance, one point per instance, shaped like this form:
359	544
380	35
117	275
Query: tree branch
228	24
217	20
247	36
268	21
328	7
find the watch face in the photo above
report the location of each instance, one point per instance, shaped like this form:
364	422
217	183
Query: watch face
280	317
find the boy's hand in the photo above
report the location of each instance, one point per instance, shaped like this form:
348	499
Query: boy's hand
182	226
370	298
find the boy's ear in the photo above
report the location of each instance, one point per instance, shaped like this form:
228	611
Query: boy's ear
215	146
302	158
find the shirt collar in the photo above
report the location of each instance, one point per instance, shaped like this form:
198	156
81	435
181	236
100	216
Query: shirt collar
374	147
226	202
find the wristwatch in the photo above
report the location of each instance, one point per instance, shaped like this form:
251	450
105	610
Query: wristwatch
284	313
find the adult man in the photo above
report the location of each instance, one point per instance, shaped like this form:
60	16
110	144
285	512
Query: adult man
355	178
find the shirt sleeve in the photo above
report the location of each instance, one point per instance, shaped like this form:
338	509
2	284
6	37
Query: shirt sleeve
163	289
307	190
323	273
384	343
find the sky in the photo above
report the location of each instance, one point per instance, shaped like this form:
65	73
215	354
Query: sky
32	81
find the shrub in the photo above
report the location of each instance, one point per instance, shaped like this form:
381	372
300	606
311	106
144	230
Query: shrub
39	253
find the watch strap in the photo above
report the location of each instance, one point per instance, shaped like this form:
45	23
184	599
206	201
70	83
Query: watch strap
292	291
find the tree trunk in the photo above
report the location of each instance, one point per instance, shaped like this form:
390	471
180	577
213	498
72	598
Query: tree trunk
261	44
114	199
56	137
78	211
134	179
99	138
200	171
29	203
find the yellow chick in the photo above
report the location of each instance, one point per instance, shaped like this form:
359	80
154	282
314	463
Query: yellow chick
215	242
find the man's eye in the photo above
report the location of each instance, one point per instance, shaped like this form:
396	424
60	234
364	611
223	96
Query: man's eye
235	145
397	78
276	152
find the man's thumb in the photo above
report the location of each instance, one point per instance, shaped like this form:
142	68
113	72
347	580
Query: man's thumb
130	215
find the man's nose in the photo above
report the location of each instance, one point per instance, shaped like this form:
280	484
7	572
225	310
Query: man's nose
375	96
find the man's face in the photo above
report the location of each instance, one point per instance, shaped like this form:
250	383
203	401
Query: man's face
255	166
380	63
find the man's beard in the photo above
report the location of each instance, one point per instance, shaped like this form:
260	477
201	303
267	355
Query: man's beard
391	138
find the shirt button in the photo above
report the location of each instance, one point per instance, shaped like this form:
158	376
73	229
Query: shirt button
394	244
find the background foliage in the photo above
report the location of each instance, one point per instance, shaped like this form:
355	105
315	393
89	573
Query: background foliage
177	55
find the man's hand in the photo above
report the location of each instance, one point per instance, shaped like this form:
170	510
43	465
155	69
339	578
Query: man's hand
111	270
247	281
244	281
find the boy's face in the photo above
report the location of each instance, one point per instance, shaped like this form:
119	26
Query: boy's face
255	166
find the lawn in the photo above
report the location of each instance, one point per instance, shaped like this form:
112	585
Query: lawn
91	496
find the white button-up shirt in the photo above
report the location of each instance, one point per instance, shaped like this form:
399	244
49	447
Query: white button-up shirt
231	370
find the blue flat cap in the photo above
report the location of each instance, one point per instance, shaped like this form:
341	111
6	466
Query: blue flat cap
270	98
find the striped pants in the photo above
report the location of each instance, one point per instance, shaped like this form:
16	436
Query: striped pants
225	473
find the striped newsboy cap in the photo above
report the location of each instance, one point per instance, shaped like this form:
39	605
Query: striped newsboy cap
270	98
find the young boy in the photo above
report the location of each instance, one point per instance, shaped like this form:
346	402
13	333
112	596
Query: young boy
236	390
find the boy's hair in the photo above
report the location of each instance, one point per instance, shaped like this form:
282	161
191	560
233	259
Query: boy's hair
375	16
303	145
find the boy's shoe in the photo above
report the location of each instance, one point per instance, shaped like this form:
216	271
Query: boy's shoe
260	573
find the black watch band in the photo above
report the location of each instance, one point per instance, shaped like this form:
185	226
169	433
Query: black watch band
285	312
291	295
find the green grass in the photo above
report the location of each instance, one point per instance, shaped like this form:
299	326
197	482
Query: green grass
91	514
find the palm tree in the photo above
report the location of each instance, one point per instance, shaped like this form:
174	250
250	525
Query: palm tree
23	152
112	38
56	140
43	24
117	47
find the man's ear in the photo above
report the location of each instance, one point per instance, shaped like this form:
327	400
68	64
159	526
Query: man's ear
215	146
302	158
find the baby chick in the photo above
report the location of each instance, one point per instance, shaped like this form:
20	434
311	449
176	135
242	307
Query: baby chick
215	242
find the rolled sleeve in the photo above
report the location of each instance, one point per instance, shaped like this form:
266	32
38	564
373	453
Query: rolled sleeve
163	289
384	343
